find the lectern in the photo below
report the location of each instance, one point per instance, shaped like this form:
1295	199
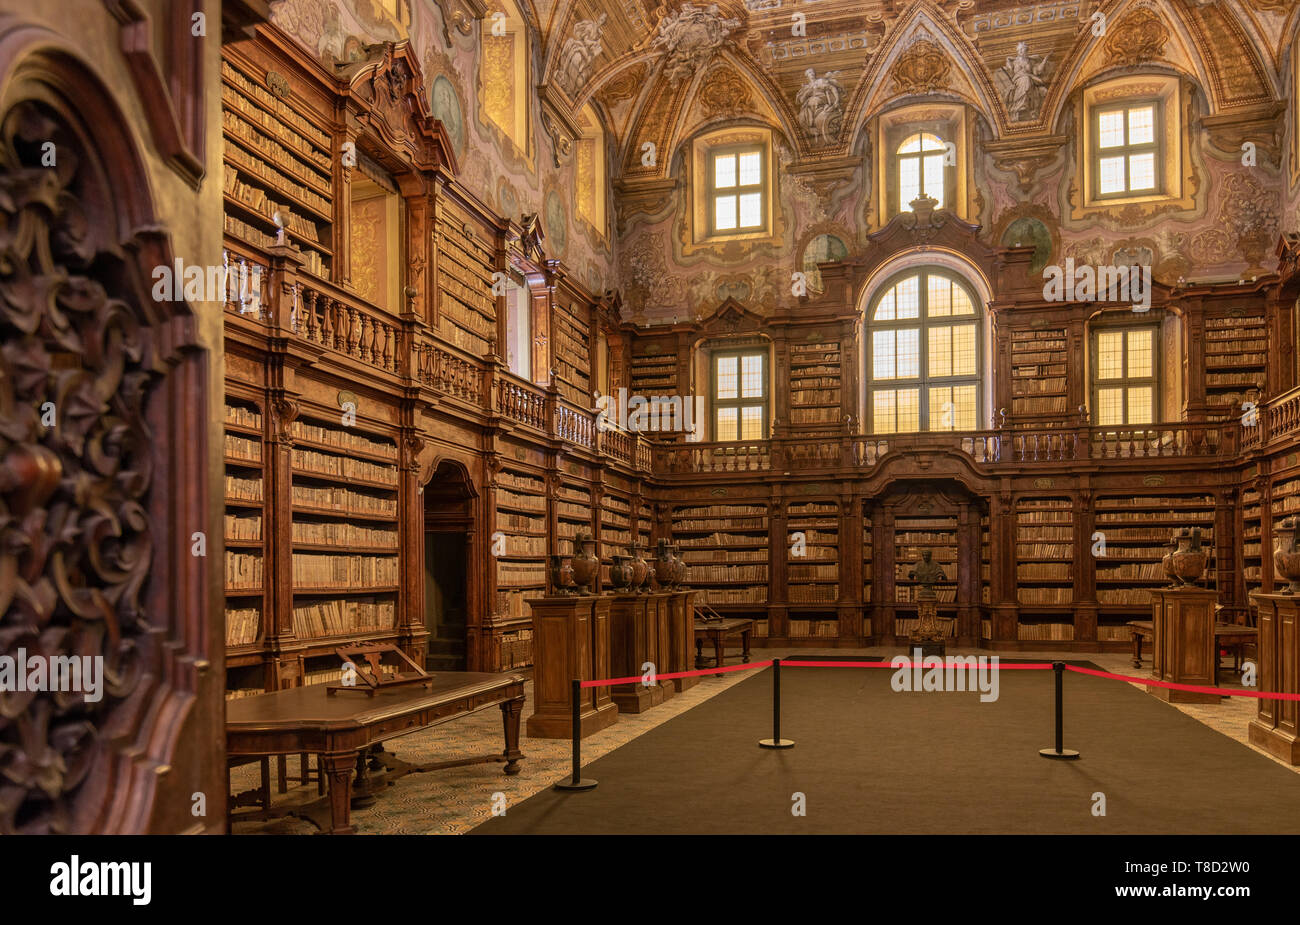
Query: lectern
1183	646
1276	726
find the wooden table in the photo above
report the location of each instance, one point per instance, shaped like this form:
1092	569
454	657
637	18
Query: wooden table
1223	632
718	631
341	727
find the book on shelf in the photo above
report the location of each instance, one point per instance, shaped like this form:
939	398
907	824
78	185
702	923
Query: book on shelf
342	439
241	489
310	462
243	525
1052	632
342	500
343	572
334	533
243	625
343	617
243	570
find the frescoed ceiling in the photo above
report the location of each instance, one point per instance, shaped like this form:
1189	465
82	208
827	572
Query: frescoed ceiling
655	68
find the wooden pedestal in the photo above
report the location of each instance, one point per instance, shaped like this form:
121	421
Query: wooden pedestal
661	612
1276	726
681	655
570	640
632	636
1183	647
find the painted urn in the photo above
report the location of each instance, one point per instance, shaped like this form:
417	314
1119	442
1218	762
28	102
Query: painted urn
585	564
620	574
640	569
1286	554
561	575
1186	558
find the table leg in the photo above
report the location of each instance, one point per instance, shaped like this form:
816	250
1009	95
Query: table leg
511	711
339	765
1137	649
719	651
744	641
699	652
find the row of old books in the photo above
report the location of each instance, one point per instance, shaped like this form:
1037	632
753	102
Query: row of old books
344	616
1130	571
244	417
1128	597
309	462
344	534
239	489
517	649
1046	595
243	570
341	572
277	112
516	500
1053	632
709	573
751	595
1039	571
281	182
301	165
243	625
800	572
520	574
722	539
344	439
343	500
238	447
813	594
814	628
906	594
732	523
724	556
243	526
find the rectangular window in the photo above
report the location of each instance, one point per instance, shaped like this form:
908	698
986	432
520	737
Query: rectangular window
737	189
1125	370
740	395
1126	151
519	331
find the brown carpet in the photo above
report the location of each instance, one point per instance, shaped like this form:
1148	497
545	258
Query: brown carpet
872	760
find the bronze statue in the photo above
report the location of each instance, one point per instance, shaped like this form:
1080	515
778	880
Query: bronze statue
926	573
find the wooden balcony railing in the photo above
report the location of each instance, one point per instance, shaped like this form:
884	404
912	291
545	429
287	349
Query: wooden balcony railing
448	373
575	426
326	315
523	403
986	448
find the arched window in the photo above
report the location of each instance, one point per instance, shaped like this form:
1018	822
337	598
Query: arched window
920	168
504	71
923	366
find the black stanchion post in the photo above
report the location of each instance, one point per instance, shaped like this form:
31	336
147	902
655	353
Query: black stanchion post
776	741
1059	751
576	782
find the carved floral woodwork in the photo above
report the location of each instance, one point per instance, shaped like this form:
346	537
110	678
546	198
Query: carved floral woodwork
83	551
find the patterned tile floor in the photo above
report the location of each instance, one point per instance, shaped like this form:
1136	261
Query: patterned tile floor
454	800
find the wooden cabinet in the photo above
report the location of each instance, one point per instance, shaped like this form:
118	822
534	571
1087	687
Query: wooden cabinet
571	637
1183	646
1276	726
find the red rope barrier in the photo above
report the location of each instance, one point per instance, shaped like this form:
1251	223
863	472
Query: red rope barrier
1031	666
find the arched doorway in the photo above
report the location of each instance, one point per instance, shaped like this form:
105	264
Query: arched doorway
448	535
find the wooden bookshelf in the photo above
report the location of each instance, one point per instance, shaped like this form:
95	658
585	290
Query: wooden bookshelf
278	170
654	369
813	568
521	541
344	564
726	548
615	531
571	338
1045	556
1137	530
573	515
1038	372
467	310
245	537
1235	361
815	384
1252	543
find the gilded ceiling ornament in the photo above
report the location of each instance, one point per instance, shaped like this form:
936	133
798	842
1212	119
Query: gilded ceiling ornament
1138	37
724	92
691	36
579	52
623	87
922	68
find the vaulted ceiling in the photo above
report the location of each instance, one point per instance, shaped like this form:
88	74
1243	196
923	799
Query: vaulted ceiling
658	72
